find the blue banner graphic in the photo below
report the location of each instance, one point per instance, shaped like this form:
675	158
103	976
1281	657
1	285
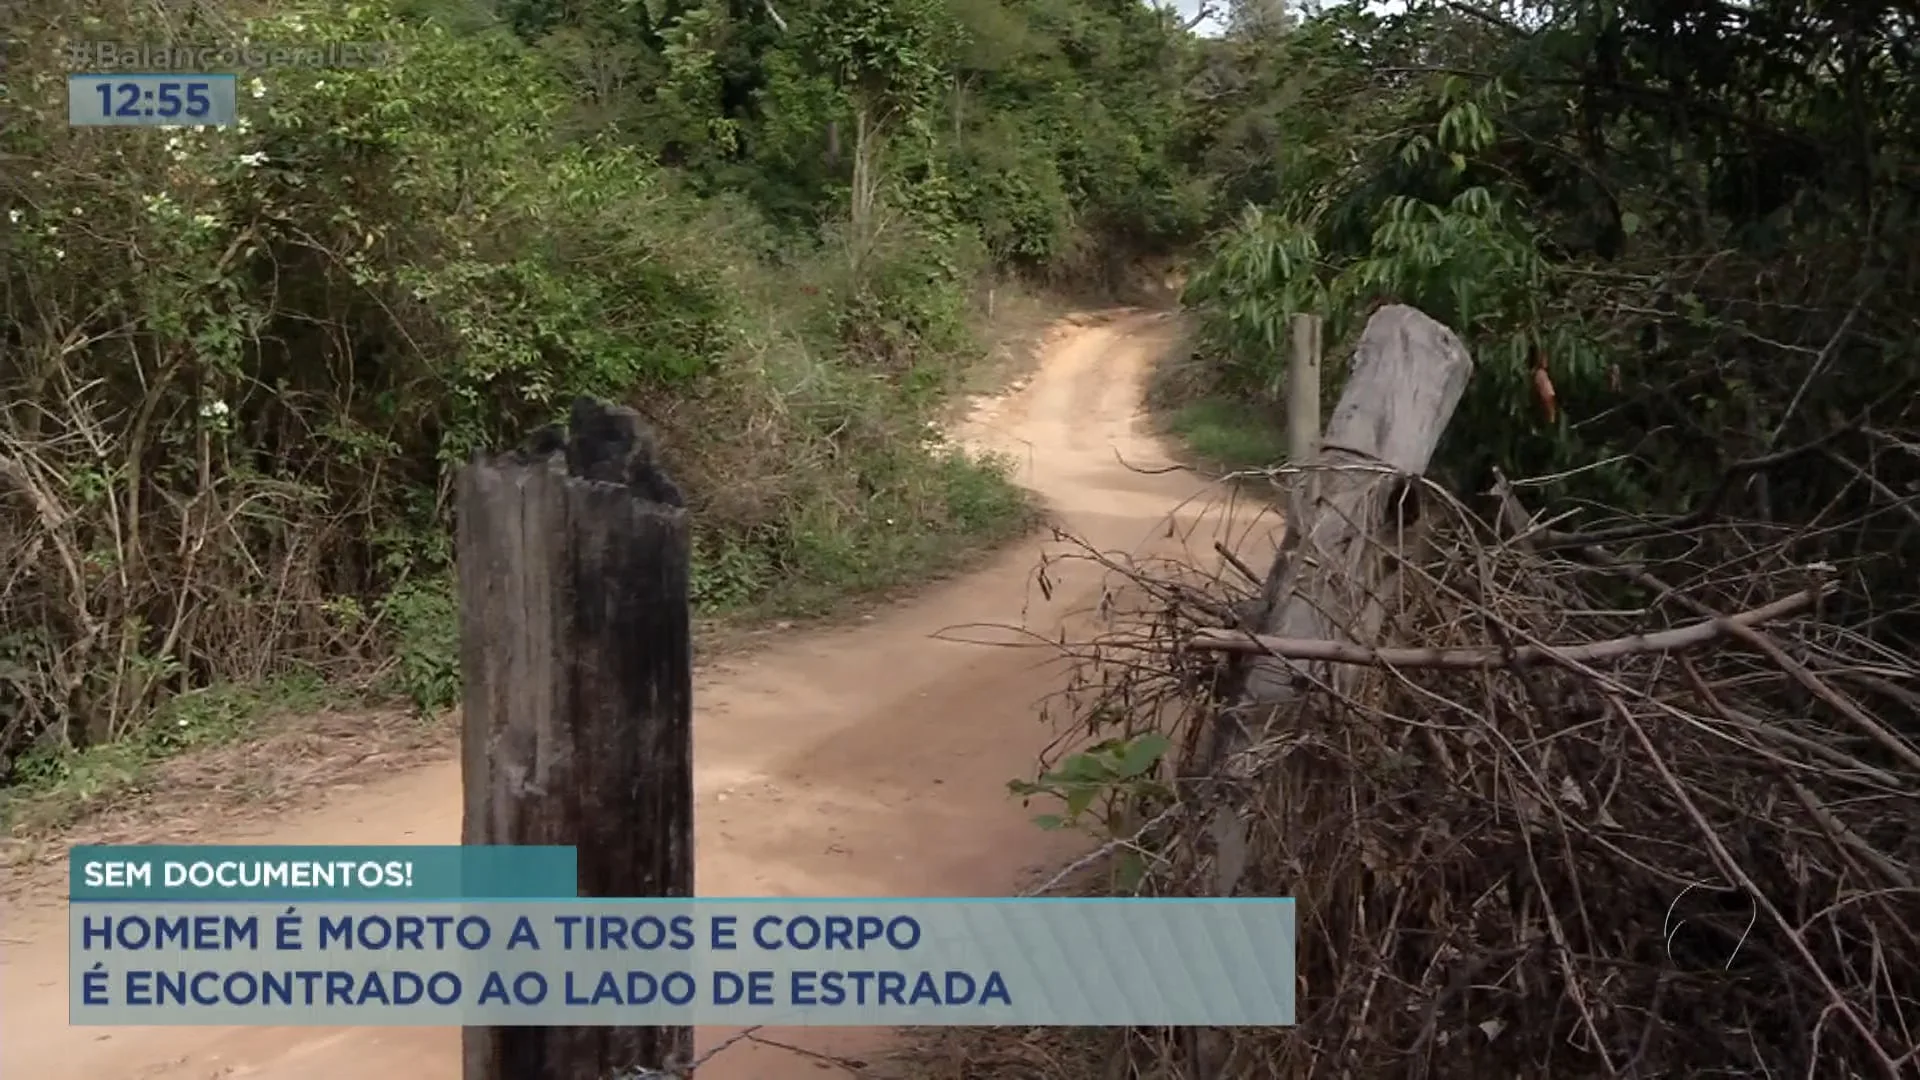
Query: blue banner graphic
857	963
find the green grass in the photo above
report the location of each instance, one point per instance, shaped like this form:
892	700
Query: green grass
54	788
1230	434
930	518
978	508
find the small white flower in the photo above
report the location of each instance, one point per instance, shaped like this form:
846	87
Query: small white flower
253	159
213	409
15	216
173	143
53	230
319	84
76	211
171	127
257	88
58	253
205	221
241	125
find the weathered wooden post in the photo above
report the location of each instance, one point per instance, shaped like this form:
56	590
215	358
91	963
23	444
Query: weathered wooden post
1408	375
1327	583
576	651
1303	390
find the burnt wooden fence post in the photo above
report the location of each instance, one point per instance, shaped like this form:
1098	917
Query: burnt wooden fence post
576	651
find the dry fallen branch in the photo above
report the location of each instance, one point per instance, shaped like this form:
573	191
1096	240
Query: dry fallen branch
1338	652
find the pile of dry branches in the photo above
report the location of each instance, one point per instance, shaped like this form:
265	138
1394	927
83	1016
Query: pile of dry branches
1637	808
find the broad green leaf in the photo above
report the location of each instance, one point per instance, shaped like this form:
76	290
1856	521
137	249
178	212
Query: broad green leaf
1081	768
1079	799
1143	754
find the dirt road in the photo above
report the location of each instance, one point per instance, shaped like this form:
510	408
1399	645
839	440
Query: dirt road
868	761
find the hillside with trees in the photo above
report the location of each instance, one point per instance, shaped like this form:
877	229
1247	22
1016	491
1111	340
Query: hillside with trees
1676	234
240	365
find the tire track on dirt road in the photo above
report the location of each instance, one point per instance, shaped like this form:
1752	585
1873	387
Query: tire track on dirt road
862	761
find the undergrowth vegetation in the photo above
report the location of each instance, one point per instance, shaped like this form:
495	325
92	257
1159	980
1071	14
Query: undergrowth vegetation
239	366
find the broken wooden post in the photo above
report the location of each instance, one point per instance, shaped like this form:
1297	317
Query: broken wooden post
1407	376
576	651
1303	390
